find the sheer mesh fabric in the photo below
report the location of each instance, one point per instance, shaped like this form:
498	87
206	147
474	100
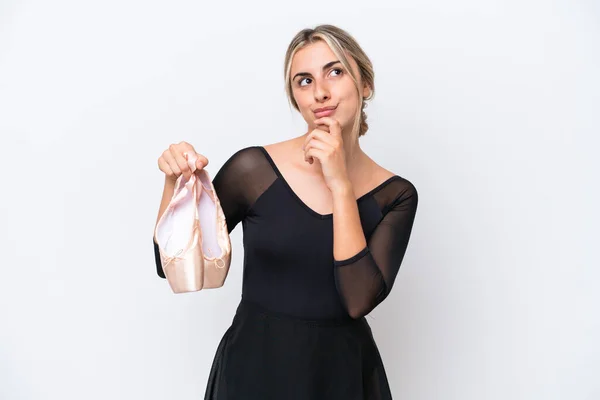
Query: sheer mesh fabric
244	177
362	281
366	279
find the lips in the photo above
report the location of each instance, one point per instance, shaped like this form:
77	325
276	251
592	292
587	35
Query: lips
324	111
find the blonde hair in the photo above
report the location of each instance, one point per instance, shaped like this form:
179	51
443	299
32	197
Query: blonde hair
340	42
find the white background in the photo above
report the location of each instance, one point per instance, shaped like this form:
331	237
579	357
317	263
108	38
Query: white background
490	108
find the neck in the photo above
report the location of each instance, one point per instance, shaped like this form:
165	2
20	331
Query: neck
354	155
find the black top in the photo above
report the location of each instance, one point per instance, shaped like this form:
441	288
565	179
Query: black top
288	247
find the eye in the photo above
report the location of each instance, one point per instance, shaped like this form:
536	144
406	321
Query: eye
335	69
300	81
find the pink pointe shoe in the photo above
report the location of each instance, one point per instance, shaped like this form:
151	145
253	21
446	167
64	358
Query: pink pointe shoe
192	236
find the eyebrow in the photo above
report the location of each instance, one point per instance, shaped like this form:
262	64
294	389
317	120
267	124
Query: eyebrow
329	64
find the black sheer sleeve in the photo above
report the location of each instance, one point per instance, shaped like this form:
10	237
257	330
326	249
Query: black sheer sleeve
365	279
238	183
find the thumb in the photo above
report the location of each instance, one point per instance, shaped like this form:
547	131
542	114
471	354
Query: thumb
201	162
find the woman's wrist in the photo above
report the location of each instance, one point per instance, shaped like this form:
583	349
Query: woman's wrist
170	182
342	189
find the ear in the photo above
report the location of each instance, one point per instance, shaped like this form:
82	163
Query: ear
366	91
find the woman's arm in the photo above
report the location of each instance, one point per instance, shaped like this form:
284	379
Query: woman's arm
348	234
365	272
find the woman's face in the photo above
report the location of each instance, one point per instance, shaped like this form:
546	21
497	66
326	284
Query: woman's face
319	81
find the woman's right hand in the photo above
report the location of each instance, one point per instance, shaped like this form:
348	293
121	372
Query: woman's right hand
173	163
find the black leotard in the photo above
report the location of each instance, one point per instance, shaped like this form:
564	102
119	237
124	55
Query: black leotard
288	247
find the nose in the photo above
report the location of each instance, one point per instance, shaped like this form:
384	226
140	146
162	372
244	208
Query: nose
321	91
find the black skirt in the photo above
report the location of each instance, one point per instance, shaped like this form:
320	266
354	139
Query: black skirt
269	356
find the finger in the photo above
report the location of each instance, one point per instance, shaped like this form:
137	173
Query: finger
317	144
201	162
325	121
321	135
172	163
334	126
181	161
164	166
313	144
307	141
316	153
323	127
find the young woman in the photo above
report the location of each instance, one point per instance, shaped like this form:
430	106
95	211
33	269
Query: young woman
325	230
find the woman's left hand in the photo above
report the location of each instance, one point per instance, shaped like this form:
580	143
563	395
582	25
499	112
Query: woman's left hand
327	146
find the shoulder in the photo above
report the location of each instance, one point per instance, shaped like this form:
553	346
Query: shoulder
245	153
278	149
395	191
245	159
251	162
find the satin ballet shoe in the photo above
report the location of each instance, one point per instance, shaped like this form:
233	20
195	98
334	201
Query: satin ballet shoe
214	236
193	223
